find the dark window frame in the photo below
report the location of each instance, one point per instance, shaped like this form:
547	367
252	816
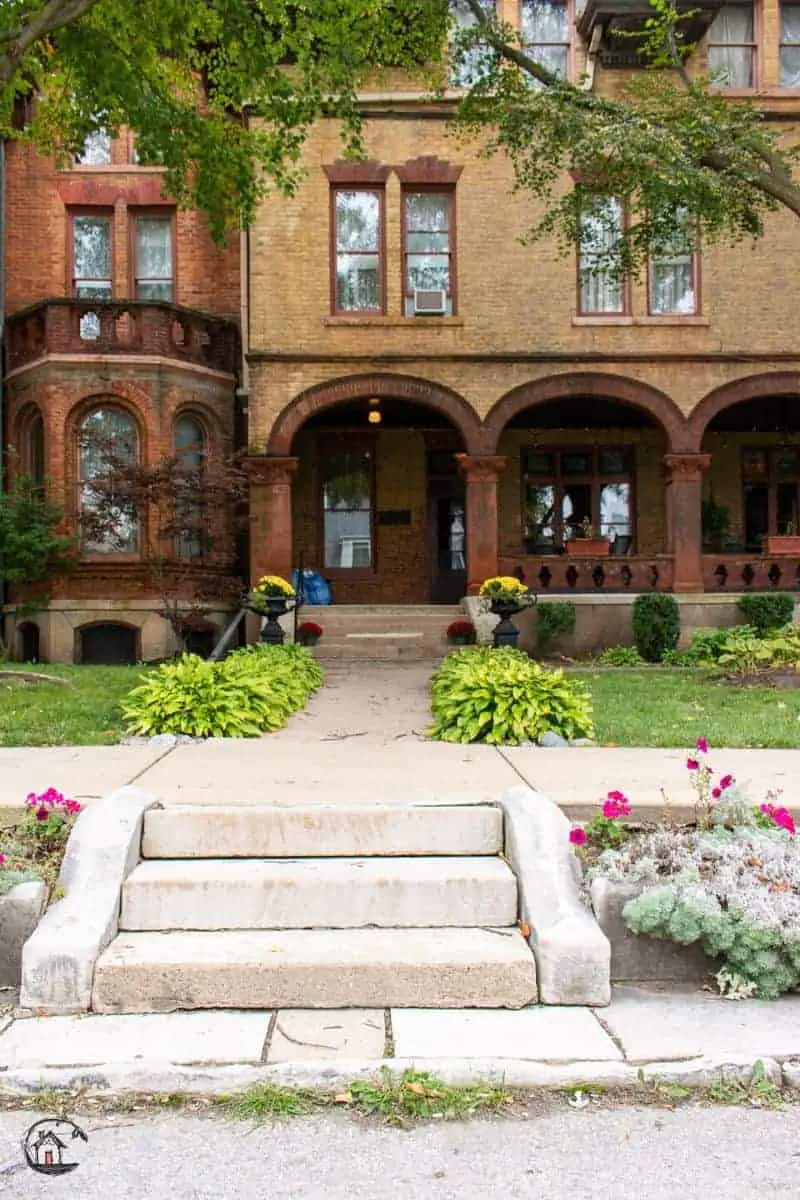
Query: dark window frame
771	479
595	479
329	445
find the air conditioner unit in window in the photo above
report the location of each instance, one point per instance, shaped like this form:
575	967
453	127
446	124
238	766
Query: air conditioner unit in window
430	302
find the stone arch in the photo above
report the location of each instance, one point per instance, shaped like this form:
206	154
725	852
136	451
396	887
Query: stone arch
110	642
590	383
356	387
752	387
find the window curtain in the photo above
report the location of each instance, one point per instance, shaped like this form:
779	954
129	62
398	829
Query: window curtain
790	54
544	22
672	287
728	58
601	290
154	259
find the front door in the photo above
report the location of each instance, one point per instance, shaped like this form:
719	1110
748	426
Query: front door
447	526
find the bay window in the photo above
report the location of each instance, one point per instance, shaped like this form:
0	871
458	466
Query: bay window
91	266
601	288
153	257
427	246
358	248
190	444
566	490
732	46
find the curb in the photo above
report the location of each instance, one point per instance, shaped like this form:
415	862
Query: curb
325	1076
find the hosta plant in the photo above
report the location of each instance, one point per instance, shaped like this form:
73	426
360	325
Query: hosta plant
730	883
251	692
502	697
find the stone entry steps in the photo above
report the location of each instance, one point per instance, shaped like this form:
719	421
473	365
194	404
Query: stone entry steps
323	907
382	632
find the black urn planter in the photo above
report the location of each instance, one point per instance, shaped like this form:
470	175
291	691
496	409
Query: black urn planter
273	608
505	631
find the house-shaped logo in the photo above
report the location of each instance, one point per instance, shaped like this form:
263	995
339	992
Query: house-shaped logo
50	1146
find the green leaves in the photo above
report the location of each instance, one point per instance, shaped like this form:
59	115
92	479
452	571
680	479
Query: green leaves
502	697
251	692
31	550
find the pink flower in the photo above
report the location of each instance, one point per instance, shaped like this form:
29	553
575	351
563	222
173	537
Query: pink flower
2	860
692	764
726	781
577	836
41	813
615	808
73	807
702	745
780	817
716	793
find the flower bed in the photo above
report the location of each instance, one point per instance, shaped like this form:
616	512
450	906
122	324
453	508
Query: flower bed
727	885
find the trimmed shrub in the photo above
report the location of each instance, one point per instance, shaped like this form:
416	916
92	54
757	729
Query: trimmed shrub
251	692
620	656
502	697
767	611
656	625
552	620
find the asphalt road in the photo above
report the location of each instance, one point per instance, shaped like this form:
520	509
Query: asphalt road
562	1154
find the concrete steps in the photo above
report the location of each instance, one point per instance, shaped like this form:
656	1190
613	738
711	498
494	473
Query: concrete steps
364	968
318	907
382	632
331	893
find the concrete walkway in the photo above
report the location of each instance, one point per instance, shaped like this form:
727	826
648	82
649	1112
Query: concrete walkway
363	739
683	1037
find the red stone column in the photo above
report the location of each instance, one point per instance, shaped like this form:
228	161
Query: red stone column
684	518
271	516
481	472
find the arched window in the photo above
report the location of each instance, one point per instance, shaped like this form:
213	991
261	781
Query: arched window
108	443
191	449
31	430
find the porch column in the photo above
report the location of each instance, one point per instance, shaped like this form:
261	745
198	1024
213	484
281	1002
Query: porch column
481	472
684	518
271	516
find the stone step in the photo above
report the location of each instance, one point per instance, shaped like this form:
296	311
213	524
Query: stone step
349	830
378	650
320	968
322	893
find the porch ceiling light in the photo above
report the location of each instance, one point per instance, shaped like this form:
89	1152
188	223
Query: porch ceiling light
375	417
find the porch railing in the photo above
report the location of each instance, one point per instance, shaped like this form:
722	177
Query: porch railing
563	573
756	572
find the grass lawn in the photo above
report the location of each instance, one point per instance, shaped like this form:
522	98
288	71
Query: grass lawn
674	708
47	714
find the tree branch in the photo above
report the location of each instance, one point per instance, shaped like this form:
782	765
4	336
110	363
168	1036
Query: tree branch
53	16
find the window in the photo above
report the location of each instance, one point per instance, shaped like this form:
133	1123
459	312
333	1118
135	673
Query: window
31	431
108	437
96	150
152	251
190	450
600	287
347	506
108	643
428	246
673	273
91	257
564	490
545	26
358	237
468	65
732	46
790	45
771	484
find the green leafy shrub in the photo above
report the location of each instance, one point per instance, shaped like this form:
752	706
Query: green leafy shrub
741	651
553	620
620	656
656	625
707	645
767	611
251	692
11	876
502	697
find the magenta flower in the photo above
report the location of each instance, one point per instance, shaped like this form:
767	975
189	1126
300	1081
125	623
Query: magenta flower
780	817
726	781
2	860
615	808
623	799
692	764
716	793
702	745
577	836
72	807
42	813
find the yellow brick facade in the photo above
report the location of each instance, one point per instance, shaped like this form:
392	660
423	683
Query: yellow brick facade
516	323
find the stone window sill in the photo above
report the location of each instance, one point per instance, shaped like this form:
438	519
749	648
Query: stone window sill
401	322
672	320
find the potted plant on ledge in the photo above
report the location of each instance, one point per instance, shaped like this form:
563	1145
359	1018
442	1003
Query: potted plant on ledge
272	597
507	596
461	633
584	542
787	542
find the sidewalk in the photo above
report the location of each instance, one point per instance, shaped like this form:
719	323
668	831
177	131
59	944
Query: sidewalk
690	1038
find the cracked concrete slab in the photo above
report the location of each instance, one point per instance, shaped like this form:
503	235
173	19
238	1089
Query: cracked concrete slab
661	1027
152	1038
301	1035
542	1034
